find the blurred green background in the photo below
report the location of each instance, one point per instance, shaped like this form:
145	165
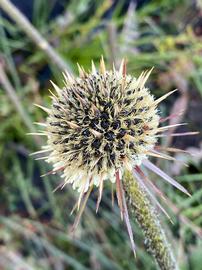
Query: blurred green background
34	221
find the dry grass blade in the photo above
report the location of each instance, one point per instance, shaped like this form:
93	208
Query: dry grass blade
33	34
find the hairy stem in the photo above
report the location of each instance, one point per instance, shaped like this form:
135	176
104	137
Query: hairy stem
144	213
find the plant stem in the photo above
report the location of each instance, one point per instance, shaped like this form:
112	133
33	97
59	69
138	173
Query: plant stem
4	81
14	98
33	34
144	213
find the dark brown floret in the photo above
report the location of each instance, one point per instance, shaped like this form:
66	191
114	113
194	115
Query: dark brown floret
116	124
132	132
121	133
110	136
112	157
104	116
94	122
66	140
99	164
86	120
131	145
84	141
62	132
96	143
108	147
58	116
86	133
140	98
55	124
97	153
105	124
128	122
56	106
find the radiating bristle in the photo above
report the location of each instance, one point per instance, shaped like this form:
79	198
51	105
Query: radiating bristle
178	134
43	108
102	66
153	198
97	123
94	71
81	71
69	80
100	125
122	69
166	177
146	76
57	89
40	124
157	101
37	133
170	126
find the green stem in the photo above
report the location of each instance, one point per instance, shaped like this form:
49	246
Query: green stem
144	213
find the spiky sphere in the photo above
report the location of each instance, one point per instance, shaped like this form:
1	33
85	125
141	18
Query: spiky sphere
100	122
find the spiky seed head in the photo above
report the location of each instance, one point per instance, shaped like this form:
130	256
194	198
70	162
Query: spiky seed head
100	122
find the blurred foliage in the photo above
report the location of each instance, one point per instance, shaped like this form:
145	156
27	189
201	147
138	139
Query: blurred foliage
34	221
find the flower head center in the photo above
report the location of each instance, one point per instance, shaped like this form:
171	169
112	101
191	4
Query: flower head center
102	122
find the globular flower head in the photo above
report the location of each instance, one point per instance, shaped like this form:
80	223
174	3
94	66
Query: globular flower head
100	122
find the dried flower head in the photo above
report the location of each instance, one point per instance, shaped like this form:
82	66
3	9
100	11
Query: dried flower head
101	124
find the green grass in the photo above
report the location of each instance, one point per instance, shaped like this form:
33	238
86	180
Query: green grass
35	222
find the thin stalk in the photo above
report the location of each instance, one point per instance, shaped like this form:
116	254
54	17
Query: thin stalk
112	38
33	34
23	188
144	213
4	81
6	51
